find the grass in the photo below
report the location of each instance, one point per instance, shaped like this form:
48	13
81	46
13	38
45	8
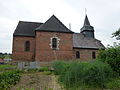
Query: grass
4	66
86	76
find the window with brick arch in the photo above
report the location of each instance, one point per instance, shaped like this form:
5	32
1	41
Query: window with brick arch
93	55
27	46
77	54
54	43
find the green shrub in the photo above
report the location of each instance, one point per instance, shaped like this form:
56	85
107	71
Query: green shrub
60	67
112	57
7	79
114	84
93	73
97	74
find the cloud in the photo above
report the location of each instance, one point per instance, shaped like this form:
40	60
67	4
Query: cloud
103	15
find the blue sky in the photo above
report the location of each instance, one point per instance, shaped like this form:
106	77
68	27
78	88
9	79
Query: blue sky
104	15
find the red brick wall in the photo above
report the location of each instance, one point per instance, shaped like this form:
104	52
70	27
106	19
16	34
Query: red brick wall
41	50
85	54
44	52
18	52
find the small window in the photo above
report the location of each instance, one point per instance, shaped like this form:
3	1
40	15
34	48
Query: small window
93	55
54	43
27	46
77	54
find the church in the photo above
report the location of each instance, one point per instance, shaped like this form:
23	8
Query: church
52	40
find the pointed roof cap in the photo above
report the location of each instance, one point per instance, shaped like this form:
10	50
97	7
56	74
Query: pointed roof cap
86	22
53	24
87	26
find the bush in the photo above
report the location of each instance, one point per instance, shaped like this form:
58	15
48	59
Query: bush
94	73
97	74
114	84
112	57
7	79
60	67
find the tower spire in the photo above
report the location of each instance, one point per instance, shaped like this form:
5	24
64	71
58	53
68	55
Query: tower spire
87	30
86	22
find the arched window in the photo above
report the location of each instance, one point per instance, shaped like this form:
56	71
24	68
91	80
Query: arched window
54	43
93	55
77	54
27	46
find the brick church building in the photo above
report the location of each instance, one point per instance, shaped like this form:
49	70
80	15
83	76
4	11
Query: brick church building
52	40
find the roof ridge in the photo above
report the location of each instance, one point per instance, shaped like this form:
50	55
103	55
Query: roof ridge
53	24
29	22
60	22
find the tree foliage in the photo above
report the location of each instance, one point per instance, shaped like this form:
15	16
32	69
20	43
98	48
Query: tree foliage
117	34
112	57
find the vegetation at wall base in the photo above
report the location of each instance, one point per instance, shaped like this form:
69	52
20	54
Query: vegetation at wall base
94	74
32	70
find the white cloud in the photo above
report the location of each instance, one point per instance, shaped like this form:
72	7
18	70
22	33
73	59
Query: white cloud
103	15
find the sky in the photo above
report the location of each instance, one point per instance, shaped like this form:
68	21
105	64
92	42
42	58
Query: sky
104	16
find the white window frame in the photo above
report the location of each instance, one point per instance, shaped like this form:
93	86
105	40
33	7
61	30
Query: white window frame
58	40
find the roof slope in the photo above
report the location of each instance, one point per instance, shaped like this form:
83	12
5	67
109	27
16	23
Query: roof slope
53	24
79	41
26	28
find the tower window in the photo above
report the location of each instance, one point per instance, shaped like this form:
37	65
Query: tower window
27	46
77	54
54	43
93	55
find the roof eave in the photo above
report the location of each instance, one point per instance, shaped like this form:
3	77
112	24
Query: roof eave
87	48
52	31
23	36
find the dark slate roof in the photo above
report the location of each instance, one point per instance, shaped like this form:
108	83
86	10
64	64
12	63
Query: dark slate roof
26	28
53	24
86	22
87	25
80	41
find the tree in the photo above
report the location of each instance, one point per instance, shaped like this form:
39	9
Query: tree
111	56
117	34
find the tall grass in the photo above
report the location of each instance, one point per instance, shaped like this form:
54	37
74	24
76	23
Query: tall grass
60	67
94	73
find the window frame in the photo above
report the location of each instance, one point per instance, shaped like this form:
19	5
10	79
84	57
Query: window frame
57	43
54	43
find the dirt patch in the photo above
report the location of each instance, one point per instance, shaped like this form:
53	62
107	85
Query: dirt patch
37	81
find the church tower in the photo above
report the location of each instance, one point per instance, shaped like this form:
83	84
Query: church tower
87	30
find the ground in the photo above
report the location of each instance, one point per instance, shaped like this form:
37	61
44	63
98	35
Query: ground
37	81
